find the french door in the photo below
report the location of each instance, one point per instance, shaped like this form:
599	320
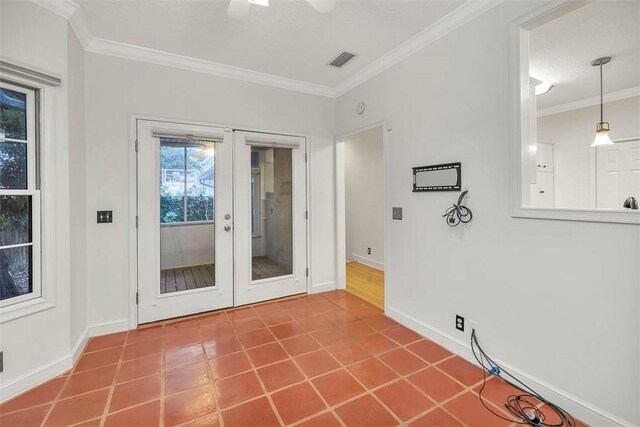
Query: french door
221	218
270	232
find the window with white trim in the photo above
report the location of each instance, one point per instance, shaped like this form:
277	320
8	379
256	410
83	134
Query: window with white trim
19	196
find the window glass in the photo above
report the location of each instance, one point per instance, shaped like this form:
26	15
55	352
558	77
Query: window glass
15	220
186	181
253	204
13	165
200	183
13	114
272	251
15	272
172	184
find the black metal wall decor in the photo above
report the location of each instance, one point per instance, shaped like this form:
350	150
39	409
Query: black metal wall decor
443	177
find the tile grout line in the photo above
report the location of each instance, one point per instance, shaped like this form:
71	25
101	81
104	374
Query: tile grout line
55	399
112	388
211	379
163	380
328	408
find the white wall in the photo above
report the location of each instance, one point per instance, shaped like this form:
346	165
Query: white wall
77	188
187	245
572	134
38	346
558	300
364	197
118	87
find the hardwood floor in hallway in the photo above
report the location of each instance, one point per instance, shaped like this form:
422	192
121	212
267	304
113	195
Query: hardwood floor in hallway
366	282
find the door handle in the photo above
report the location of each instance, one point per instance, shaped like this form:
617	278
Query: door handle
227	228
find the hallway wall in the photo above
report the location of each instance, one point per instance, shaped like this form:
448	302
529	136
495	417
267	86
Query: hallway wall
364	197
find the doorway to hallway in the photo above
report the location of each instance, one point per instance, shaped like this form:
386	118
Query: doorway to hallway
362	169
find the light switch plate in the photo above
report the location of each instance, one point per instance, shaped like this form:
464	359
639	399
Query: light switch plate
105	217
397	214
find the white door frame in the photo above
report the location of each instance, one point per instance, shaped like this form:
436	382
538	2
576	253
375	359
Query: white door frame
341	256
132	213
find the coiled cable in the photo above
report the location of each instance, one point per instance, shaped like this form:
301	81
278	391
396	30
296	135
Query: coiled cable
458	213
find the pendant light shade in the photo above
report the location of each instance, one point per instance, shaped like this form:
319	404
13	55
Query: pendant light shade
602	129
602	135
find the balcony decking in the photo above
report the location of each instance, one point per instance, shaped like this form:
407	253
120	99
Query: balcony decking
202	276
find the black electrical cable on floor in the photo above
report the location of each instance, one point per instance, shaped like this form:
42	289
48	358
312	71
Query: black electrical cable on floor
524	407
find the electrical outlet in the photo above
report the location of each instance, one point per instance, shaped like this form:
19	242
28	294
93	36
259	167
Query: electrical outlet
459	323
368	251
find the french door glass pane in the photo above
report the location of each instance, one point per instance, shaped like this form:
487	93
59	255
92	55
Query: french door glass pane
13	165
16	276
15	220
272	250
13	114
200	183
187	239
172	183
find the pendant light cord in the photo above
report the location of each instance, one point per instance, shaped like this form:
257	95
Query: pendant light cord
601	97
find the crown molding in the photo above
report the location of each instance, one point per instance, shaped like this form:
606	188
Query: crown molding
64	8
73	12
459	16
79	25
588	102
138	53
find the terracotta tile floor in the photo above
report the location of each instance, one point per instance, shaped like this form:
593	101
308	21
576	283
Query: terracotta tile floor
316	360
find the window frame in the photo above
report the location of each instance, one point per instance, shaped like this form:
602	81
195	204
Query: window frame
519	129
41	188
31	191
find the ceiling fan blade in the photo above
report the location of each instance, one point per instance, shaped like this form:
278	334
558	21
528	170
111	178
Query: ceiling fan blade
322	6
238	8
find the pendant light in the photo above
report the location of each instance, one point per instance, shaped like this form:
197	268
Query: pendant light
602	128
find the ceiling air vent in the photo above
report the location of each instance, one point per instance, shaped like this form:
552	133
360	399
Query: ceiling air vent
342	59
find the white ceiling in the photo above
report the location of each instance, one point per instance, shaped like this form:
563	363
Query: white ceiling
288	39
562	51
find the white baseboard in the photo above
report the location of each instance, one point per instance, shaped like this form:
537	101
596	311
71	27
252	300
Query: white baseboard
95	331
322	287
77	349
35	377
98	329
368	261
51	370
575	406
